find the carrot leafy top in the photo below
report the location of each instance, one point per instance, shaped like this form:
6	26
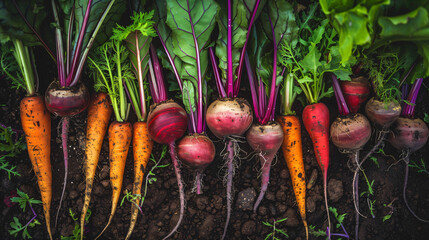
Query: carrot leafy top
312	53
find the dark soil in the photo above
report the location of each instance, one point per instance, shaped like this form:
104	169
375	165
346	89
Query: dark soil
205	214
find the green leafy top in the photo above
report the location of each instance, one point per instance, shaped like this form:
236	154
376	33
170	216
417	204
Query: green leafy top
137	38
384	71
354	21
17	63
110	69
316	52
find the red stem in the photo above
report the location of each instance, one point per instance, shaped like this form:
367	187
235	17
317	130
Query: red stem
76	55
219	85
240	65
230	77
341	102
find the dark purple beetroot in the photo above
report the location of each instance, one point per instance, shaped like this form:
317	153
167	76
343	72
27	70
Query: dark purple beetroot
66	101
227	117
382	114
355	92
351	132
196	151
409	134
167	122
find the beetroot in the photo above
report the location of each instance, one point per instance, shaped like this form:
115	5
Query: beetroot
350	132
166	122
409	134
196	151
355	92
66	101
229	117
266	141
382	114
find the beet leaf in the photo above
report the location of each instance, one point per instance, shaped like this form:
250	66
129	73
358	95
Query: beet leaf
191	24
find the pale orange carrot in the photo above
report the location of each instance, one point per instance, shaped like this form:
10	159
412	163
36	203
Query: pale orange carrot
120	134
99	113
142	148
36	123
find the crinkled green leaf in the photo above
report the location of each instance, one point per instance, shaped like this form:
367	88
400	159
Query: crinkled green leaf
13	26
191	22
354	22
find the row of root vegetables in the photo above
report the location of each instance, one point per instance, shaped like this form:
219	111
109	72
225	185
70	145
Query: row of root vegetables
288	50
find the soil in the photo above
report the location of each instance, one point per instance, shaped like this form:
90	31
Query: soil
205	214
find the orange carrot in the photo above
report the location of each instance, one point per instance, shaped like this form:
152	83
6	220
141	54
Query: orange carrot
120	134
36	123
142	148
292	152
99	113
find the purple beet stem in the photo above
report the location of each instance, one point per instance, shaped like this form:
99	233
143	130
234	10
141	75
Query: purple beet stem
64	137
180	184
266	161
230	175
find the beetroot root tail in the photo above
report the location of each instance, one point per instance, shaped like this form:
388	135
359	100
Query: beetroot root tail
404	191
180	185
229	177
64	137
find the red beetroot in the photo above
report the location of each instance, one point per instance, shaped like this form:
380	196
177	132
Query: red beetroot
350	132
66	101
382	114
355	92
167	122
266	141
229	116
196	150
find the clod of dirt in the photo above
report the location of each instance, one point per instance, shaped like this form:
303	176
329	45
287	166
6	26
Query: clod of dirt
292	220
335	189
248	228
201	202
104	173
73	194
205	230
246	198
105	183
311	204
284	174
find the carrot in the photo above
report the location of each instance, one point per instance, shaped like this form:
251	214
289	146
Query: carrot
292	152
120	134
36	123
99	113
142	148
316	122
